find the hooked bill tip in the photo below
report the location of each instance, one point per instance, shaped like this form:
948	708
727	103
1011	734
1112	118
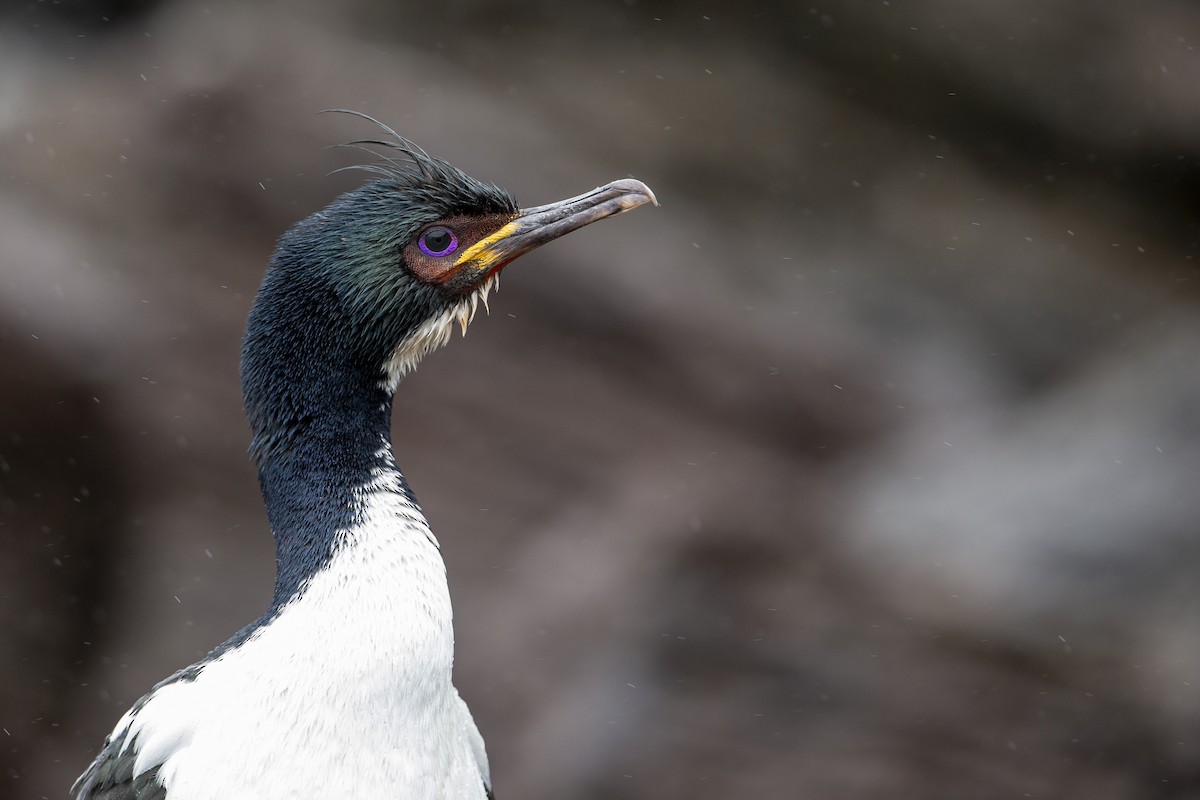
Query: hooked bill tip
634	193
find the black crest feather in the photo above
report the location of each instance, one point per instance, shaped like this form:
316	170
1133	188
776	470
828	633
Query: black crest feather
416	167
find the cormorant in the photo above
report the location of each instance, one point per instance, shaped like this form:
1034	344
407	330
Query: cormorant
343	687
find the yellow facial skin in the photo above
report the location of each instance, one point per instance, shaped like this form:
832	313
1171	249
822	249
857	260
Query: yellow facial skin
479	256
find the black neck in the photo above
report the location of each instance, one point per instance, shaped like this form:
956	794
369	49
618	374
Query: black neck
312	484
314	385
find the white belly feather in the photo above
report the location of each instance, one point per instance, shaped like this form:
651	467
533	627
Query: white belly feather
347	691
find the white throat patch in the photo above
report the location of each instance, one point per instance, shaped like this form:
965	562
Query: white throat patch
434	333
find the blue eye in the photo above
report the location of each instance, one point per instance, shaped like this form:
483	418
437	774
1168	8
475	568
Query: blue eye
438	241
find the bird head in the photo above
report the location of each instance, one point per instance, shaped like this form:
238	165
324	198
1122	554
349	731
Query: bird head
358	293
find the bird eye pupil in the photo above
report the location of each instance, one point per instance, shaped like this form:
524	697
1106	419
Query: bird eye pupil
438	241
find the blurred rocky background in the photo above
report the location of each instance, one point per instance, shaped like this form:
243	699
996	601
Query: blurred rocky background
865	467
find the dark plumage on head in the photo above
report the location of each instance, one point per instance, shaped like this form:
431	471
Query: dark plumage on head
339	297
431	179
357	293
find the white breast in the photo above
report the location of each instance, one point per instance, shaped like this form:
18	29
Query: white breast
346	692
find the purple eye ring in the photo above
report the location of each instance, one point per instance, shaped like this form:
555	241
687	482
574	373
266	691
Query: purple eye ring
437	241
